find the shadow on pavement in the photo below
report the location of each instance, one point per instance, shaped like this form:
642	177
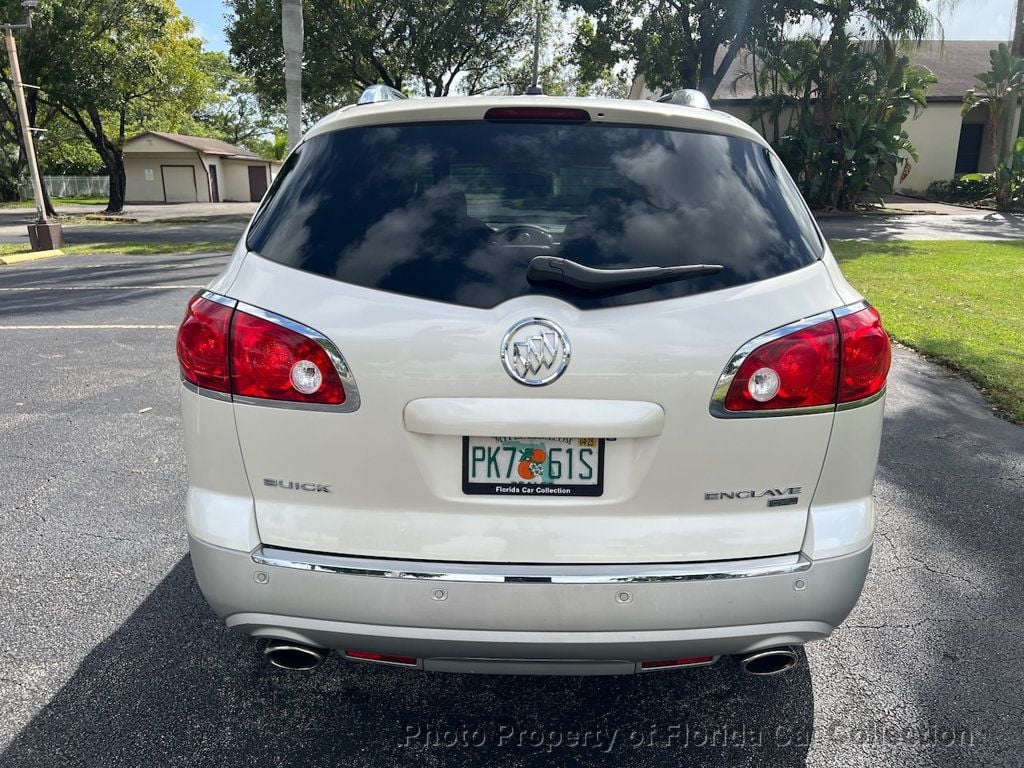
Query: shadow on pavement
969	226
957	479
938	630
140	278
172	687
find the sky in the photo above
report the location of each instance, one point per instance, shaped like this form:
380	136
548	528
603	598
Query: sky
976	19
968	20
209	18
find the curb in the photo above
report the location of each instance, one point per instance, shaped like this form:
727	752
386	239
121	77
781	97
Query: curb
226	219
109	217
18	258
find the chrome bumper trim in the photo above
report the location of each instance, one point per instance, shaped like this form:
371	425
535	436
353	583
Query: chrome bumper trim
496	573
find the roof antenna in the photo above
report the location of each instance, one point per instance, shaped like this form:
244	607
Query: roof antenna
534	89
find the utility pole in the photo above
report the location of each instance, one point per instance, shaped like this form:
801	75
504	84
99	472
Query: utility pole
292	38
44	234
1017	38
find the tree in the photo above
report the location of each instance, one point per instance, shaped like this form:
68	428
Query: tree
272	149
117	66
835	103
875	89
63	151
40	114
675	43
232	112
1000	88
411	45
292	40
559	75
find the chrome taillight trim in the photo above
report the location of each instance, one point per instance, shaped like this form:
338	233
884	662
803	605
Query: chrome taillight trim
717	407
850	309
497	573
341	366
348	381
218	298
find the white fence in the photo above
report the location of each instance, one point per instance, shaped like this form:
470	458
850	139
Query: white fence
70	186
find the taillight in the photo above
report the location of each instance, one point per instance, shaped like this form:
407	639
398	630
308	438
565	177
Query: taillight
273	362
225	348
798	370
837	360
203	344
867	355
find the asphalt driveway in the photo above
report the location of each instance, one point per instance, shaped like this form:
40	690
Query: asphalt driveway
205	222
152	224
110	657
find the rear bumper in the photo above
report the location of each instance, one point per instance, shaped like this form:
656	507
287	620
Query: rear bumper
580	620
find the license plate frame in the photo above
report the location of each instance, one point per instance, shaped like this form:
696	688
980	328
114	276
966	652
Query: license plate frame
525	490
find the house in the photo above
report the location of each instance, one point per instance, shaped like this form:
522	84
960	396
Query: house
171	168
948	143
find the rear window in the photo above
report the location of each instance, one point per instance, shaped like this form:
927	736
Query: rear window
454	212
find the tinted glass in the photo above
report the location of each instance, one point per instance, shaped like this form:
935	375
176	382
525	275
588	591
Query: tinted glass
454	212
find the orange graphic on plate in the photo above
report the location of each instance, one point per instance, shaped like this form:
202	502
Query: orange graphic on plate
531	464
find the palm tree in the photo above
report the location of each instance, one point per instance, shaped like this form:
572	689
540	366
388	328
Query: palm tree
291	36
1000	87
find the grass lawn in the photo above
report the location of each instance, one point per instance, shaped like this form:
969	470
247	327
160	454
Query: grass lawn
58	202
959	302
128	248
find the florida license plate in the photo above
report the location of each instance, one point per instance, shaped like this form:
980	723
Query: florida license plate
533	466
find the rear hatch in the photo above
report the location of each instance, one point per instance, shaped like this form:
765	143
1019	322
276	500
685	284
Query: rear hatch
484	435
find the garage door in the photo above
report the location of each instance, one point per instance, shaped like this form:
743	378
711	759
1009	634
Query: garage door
180	183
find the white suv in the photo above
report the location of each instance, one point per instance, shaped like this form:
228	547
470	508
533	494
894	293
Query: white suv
532	385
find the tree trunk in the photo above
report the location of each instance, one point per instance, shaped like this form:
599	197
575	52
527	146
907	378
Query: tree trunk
118	182
1017	49
47	203
110	153
292	39
113	161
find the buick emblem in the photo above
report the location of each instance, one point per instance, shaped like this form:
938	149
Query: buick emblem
535	352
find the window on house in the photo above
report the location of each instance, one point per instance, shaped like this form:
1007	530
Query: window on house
968	151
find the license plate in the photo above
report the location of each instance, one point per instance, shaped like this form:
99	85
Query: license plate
533	466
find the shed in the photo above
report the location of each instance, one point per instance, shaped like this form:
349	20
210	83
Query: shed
172	168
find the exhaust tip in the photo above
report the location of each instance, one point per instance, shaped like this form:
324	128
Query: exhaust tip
295	657
771	661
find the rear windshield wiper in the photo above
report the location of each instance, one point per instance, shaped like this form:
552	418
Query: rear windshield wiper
553	270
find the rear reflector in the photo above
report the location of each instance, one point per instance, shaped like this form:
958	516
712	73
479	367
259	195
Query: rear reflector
534	114
666	663
383	658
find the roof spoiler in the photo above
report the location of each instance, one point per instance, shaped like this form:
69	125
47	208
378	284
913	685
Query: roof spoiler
686	97
376	93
